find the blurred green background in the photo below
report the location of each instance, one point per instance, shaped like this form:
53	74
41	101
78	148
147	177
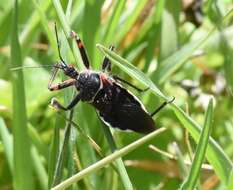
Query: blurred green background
185	47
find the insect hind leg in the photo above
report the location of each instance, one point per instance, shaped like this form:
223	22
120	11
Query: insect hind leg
162	106
128	83
106	65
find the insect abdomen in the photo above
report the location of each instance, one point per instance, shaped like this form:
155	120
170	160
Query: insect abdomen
120	109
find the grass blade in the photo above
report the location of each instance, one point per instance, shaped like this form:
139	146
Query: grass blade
178	58
130	69
215	154
7	143
230	182
39	169
113	21
192	178
54	151
100	164
170	20
66	28
119	163
22	157
155	33
131	19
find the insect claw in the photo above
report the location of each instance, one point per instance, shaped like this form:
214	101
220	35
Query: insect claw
73	34
172	100
144	90
55	104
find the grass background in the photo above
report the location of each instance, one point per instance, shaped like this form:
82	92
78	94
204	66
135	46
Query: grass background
160	38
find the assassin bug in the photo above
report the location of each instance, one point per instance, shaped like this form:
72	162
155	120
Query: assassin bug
116	106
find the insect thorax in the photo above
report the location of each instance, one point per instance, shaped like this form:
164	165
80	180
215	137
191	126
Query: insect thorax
88	83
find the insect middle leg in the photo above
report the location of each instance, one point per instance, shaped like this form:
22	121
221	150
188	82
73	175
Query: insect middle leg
162	106
58	105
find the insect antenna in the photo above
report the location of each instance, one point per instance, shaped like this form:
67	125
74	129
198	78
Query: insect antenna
58	45
22	67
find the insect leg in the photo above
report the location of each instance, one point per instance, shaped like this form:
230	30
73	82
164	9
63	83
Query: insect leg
61	85
162	106
57	105
106	65
128	83
81	49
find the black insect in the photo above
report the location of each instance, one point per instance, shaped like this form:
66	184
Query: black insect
116	106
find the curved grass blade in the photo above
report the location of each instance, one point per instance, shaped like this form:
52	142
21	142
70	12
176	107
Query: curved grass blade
7	141
154	34
66	28
130	69
105	161
119	162
21	143
230	181
191	181
177	59
45	23
33	22
113	21
39	168
131	18
54	151
215	154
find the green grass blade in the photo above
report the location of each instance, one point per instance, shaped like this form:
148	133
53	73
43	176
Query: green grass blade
66	28
130	69
170	21
100	164
39	168
230	182
90	28
7	143
114	21
54	151
191	181
155	33
32	24
45	23
215	154
178	58
23	178
131	18
119	162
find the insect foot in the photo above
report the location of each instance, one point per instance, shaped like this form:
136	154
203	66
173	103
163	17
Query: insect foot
55	104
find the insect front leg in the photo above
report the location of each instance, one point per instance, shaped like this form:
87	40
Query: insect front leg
61	85
162	106
128	83
58	105
106	65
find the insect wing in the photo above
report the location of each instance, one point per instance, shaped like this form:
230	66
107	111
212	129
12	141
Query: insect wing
133	117
129	116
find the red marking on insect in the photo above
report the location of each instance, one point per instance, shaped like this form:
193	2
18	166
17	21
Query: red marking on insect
80	45
105	79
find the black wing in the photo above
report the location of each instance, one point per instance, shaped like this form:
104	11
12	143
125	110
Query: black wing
124	111
130	117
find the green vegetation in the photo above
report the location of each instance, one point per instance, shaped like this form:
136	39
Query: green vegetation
169	46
